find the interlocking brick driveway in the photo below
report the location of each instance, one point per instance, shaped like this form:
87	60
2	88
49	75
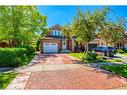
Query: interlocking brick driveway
58	71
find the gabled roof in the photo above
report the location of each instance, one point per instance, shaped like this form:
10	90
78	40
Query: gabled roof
55	27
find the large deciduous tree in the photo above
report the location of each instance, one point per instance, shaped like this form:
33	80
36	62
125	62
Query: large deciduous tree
117	33
112	33
85	24
20	24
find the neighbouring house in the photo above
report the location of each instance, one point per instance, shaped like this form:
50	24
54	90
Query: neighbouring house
92	44
123	43
54	42
125	46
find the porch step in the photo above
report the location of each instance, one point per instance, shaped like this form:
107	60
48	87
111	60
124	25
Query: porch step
65	51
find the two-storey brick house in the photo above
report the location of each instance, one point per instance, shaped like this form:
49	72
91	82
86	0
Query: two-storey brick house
54	42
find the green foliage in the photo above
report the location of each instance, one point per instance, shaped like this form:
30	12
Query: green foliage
85	24
77	55
111	32
14	57
89	57
93	57
6	78
30	49
117	60
66	31
20	24
121	51
120	69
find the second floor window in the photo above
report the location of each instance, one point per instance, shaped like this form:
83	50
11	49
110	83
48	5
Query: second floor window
56	33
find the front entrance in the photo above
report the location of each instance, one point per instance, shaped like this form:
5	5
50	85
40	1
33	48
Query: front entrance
64	45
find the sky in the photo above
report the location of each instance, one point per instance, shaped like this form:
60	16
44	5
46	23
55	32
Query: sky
64	14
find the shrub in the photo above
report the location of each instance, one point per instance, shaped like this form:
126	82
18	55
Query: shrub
12	57
30	49
87	57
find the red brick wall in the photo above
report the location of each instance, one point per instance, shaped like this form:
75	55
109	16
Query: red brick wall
70	44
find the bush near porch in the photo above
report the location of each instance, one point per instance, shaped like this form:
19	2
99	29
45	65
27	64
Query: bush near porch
14	57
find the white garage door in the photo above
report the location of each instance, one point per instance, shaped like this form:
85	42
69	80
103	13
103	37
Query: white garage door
126	46
50	47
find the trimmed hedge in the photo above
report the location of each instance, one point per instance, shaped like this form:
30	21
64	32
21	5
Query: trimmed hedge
12	57
30	49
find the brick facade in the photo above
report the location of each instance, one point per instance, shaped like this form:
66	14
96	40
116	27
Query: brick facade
55	36
53	40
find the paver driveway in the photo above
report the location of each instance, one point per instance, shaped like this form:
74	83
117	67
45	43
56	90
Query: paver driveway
59	71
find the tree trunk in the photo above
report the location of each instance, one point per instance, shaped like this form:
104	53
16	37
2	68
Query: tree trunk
107	49
87	46
9	41
115	44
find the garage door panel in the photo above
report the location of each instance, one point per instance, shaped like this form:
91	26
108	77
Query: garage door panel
50	47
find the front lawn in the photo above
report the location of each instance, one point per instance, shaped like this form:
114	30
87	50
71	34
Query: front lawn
6	78
119	69
95	60
76	55
123	52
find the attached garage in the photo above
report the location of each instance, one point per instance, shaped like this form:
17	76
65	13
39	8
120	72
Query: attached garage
50	47
126	46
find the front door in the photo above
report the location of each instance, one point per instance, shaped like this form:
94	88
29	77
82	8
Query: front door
64	44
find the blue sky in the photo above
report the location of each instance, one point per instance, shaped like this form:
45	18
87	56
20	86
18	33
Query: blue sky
64	14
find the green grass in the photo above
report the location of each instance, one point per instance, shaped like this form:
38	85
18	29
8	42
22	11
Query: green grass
123	52
79	56
6	78
76	55
113	60
119	69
